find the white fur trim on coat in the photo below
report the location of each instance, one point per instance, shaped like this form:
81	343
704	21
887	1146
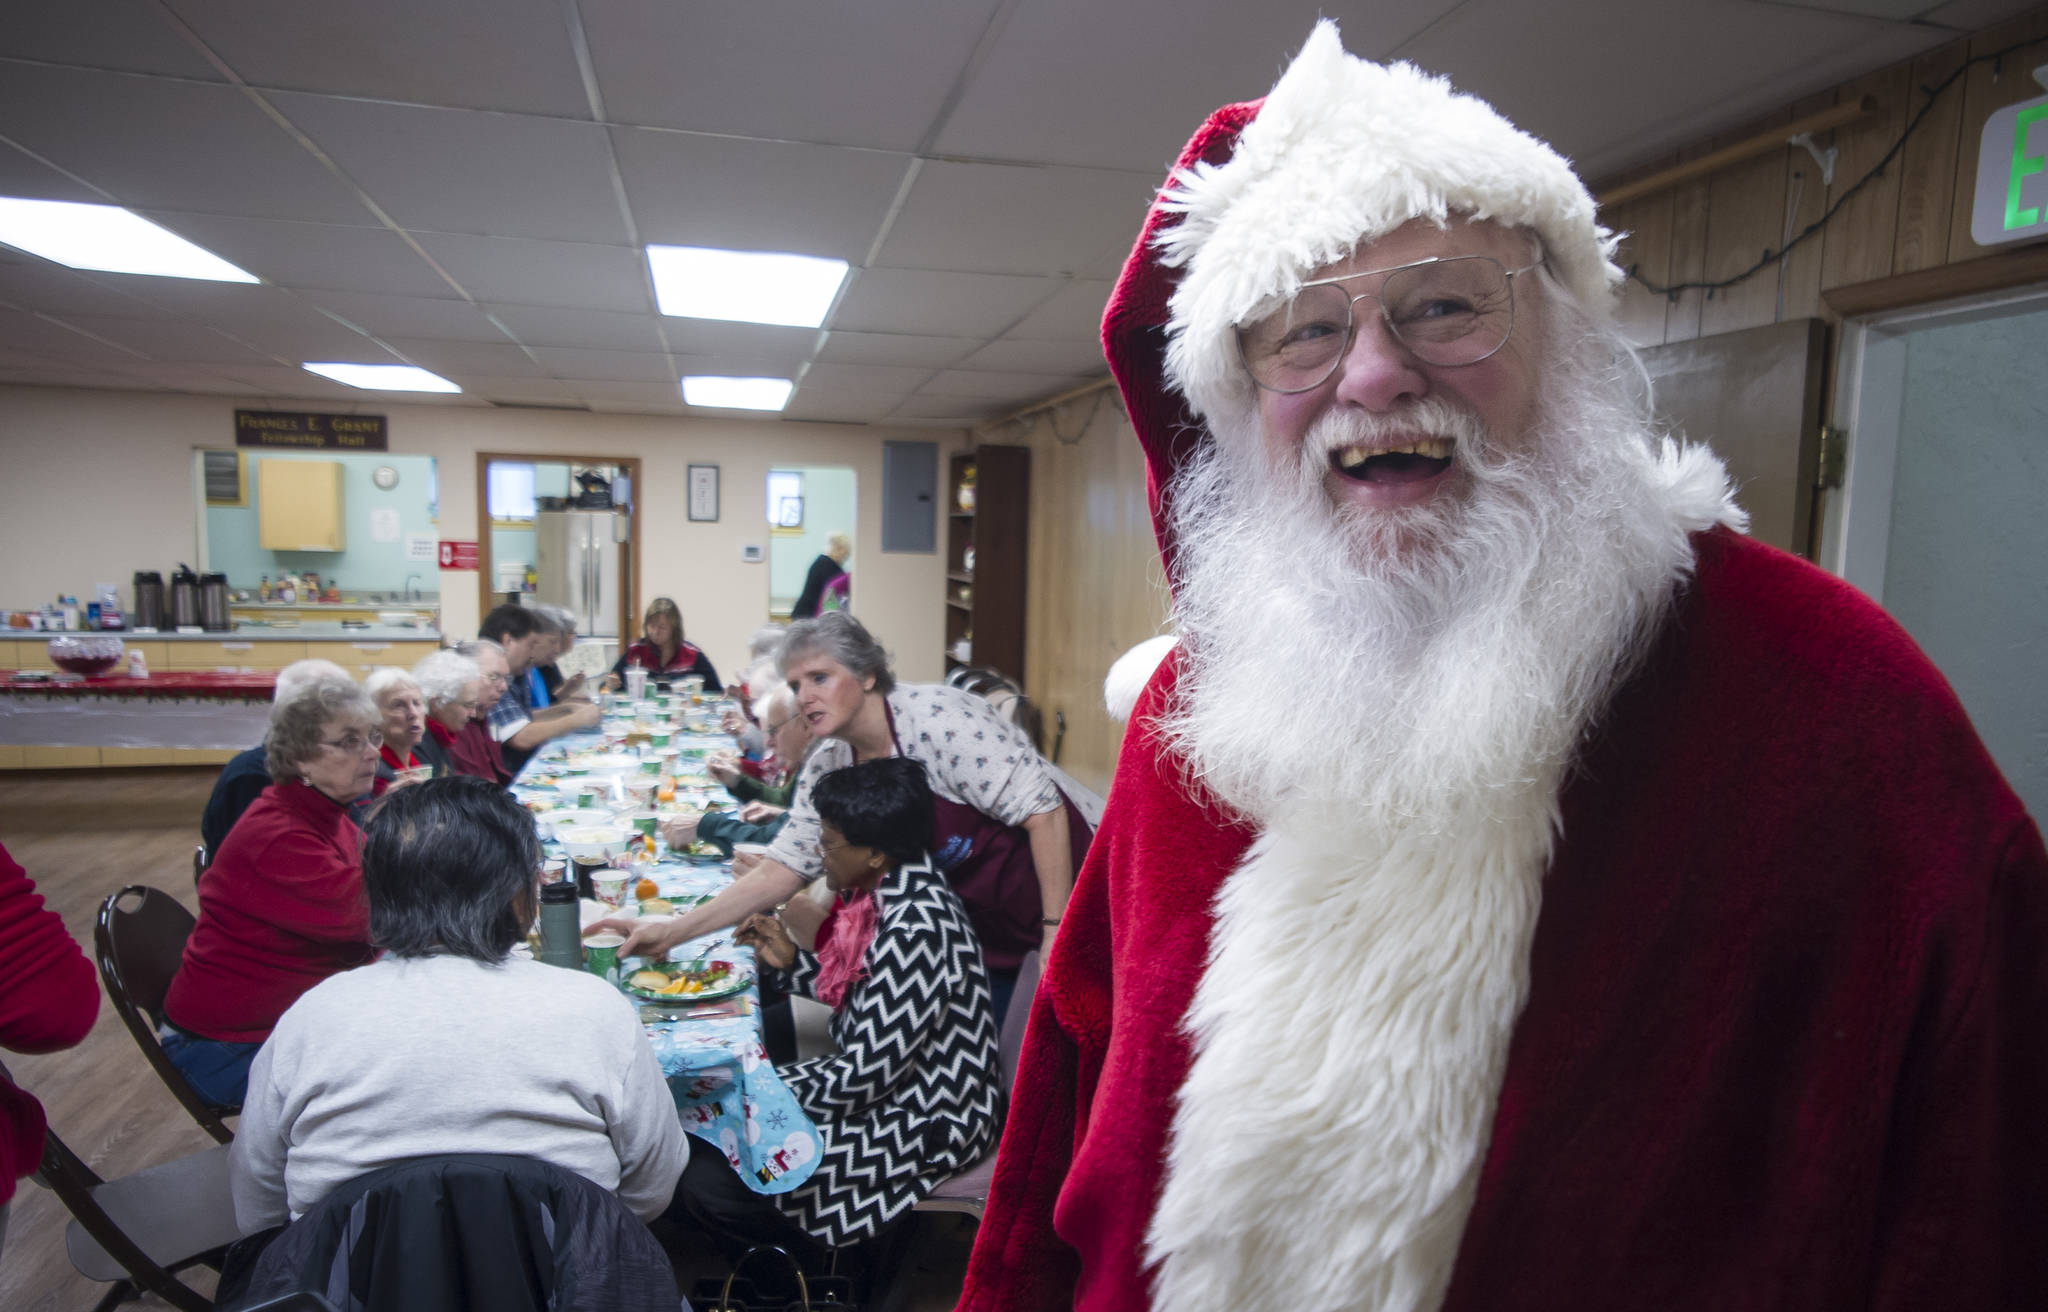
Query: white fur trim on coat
1343	151
1132	671
1351	1033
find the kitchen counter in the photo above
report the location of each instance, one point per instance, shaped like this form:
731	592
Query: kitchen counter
305	631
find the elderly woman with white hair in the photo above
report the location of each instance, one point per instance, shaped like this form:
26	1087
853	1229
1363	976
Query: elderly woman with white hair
281	906
452	686
408	754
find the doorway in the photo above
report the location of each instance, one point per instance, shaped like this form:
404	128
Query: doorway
562	530
808	505
1939	512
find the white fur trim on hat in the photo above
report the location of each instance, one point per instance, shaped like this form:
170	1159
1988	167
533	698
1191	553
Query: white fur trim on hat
1344	151
1132	671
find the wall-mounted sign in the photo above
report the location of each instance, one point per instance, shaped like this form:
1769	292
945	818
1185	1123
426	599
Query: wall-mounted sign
310	432
458	555
2012	173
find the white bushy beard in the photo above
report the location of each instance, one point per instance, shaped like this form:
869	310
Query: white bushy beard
1400	662
1392	699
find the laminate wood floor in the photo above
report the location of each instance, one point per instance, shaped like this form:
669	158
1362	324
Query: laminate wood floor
84	834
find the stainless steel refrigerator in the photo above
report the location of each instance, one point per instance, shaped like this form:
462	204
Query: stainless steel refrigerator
578	566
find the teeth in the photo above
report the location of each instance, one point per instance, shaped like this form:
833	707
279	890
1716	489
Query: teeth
1433	448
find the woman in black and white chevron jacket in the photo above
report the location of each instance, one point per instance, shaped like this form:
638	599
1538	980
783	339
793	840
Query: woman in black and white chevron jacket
914	1094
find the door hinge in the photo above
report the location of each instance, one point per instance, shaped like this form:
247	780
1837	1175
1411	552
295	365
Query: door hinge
1834	457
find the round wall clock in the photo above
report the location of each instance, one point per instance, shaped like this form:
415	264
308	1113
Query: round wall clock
385	477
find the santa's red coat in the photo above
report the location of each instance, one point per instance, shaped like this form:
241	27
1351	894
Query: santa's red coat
1784	1040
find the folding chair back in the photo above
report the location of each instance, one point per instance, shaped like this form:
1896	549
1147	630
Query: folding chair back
967	1192
139	941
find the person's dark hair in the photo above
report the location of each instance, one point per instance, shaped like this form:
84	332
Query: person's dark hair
448	866
885	804
508	624
843	638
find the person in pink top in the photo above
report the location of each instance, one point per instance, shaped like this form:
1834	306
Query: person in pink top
281	908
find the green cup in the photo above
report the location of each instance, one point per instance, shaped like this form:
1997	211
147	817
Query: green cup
601	956
645	821
658	740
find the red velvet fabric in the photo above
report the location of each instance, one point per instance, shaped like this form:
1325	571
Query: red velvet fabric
280	909
1782	1045
48	998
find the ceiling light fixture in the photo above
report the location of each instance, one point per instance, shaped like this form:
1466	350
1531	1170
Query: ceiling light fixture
109	239
384	377
738	393
696	282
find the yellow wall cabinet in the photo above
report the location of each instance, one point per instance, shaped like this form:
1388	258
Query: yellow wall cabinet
298	505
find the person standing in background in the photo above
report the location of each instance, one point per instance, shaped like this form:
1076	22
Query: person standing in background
824	570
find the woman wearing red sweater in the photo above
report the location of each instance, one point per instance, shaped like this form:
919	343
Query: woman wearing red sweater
48	998
662	650
281	908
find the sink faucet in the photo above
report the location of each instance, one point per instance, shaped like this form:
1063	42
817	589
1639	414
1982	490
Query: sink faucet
410	591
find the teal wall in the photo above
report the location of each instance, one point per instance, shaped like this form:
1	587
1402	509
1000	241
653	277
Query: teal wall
366	566
828	509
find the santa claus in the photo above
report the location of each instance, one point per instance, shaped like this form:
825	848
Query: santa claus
1518	889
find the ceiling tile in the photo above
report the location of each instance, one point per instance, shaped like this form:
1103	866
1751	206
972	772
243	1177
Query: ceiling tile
602	330
492	175
867	379
410	316
155	144
280	382
128	36
945	304
839	407
790	69
186	343
493	54
250	310
36	284
1073	315
1011	389
23	175
1038	357
895	348
321	255
949	409
515	271
606	366
789	347
1059	85
1003	218
525	391
451	359
689	190
626	394
41	337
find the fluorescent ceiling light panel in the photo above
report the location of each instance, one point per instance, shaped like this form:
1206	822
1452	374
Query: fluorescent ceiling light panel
107	238
696	282
738	393
384	377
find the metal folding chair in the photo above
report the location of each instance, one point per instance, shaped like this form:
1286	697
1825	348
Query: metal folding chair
139	940
967	1192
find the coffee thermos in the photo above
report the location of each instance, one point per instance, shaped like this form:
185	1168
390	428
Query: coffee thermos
184	598
213	603
149	599
561	925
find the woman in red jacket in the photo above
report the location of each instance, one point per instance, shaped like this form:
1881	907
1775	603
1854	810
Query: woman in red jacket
662	650
48	998
281	908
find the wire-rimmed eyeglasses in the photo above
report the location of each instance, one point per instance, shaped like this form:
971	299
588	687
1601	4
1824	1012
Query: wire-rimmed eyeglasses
1447	311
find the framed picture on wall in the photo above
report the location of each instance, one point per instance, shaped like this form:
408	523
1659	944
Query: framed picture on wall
704	493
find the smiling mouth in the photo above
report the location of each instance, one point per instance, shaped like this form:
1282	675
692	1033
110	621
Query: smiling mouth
1415	463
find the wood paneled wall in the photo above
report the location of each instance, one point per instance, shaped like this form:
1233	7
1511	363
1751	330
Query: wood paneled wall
1095	585
1915	216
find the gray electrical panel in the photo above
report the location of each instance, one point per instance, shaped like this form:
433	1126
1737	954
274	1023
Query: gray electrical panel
910	496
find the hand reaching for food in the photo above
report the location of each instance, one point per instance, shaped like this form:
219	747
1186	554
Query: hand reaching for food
760	813
771	943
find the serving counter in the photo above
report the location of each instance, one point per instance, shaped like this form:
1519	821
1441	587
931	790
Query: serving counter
124	740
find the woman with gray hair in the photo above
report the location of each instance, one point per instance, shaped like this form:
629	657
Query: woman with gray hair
451	685
281	906
408	755
1007	838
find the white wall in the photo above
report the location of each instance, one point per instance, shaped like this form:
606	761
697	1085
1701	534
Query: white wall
1963	569
95	485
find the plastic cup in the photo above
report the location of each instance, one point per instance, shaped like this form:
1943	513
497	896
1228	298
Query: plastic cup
636	683
601	956
609	886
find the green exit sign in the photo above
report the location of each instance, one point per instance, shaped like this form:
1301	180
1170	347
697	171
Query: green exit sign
2012	173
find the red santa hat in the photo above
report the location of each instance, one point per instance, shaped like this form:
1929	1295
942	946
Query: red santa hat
1341	151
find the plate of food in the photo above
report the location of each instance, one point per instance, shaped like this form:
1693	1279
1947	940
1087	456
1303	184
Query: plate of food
689	981
699	853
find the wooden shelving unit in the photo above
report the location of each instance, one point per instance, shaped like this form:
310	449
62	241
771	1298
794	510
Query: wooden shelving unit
985	604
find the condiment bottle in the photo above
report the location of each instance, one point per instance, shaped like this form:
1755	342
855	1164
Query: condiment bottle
561	925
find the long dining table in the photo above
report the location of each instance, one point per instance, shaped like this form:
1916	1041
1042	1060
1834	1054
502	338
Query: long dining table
649	756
